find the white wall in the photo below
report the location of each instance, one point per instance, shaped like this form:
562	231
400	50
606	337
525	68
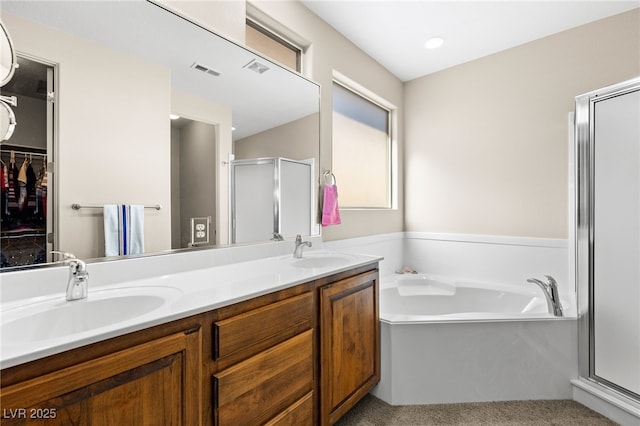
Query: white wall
491	259
176	214
390	246
486	141
473	258
223	17
94	86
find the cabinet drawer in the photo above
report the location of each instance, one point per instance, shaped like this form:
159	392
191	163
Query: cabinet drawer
298	414
259	388
263	327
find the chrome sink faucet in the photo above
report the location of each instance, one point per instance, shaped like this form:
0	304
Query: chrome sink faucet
78	283
300	245
550	289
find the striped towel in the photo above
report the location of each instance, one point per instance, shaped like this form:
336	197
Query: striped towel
123	229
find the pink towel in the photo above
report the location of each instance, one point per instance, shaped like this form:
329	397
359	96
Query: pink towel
330	211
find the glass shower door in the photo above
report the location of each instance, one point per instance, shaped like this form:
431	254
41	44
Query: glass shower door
610	216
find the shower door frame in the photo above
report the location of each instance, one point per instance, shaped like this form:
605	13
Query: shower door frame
585	235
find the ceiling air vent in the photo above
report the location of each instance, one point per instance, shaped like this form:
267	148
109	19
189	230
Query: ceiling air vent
205	69
256	66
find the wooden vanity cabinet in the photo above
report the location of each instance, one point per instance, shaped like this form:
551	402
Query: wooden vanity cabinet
129	380
349	343
265	354
299	356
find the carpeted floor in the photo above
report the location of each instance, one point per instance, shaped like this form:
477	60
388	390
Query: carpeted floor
371	411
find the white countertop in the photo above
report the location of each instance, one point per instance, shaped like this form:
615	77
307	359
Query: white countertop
185	293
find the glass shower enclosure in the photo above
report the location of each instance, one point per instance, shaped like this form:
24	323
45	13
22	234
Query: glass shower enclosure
271	198
608	239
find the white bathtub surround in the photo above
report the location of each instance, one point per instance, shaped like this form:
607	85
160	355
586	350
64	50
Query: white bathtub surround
424	298
477	361
510	348
470	257
473	343
493	259
389	246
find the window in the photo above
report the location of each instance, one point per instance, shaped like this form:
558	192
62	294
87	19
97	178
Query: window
362	159
273	46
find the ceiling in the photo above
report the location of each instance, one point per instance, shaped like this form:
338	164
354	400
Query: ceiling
149	33
393	32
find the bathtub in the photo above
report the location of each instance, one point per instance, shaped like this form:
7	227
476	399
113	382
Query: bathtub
450	341
420	297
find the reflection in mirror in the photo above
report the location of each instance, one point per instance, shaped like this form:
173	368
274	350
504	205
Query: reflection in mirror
27	189
7	121
7	56
193	177
271	198
8	64
121	69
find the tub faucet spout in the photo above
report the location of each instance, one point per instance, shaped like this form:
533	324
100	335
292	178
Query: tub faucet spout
550	289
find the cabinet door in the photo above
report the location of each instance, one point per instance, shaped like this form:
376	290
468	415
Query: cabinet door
350	343
155	383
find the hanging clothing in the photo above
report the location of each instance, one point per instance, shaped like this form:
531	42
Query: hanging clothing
31	188
22	174
4	184
3	180
13	188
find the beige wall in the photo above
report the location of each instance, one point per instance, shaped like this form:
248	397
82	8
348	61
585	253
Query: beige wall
331	51
94	96
487	141
282	141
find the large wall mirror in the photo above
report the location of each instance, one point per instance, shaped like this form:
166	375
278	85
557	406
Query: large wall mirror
99	80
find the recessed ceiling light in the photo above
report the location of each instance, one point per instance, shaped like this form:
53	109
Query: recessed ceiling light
174	116
434	42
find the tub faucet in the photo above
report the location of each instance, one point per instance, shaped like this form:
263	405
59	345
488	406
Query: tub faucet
78	283
300	245
550	289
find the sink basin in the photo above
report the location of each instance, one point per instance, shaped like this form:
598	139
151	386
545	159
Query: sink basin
59	318
322	260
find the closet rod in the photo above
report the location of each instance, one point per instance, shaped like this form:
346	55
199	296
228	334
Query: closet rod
78	207
8	151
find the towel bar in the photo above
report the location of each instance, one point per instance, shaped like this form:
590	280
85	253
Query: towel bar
78	207
328	174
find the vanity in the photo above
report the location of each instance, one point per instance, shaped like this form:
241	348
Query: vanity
278	341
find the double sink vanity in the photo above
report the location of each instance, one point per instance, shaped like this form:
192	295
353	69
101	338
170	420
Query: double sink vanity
277	340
